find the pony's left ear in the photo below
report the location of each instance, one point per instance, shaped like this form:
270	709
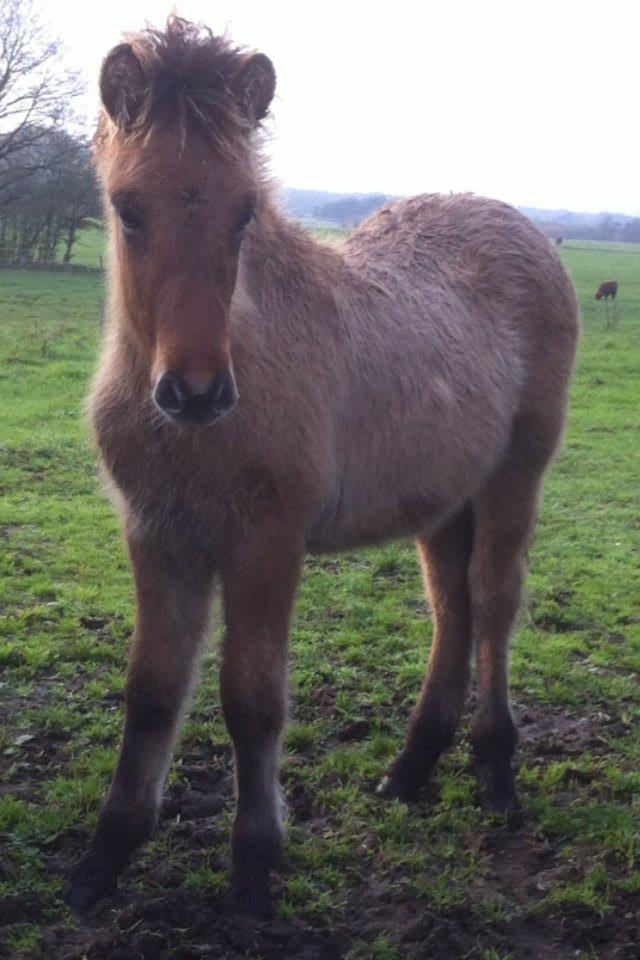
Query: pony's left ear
255	85
122	85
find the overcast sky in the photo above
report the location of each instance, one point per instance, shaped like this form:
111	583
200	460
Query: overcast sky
532	101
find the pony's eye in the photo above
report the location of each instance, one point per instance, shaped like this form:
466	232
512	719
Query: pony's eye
129	216
242	223
130	220
245	218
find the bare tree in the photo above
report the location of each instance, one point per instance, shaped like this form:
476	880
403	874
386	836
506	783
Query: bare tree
37	91
79	198
39	224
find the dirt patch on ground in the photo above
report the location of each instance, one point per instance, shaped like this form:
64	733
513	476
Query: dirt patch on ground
195	926
30	759
553	732
156	916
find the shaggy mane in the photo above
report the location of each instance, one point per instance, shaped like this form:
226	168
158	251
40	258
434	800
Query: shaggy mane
190	76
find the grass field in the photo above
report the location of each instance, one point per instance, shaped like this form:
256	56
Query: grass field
89	248
363	878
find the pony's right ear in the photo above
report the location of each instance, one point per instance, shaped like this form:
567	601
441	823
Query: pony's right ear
255	86
122	86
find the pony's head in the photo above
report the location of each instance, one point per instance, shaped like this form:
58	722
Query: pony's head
176	156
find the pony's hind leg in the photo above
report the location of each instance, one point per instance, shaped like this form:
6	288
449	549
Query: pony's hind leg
504	518
445	561
172	612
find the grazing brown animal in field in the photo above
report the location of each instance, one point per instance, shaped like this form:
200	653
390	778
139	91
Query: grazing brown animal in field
607	289
261	395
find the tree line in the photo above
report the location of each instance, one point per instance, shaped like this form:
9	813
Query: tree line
48	191
608	228
350	211
47	185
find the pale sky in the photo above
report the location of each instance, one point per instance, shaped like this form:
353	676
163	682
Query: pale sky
536	102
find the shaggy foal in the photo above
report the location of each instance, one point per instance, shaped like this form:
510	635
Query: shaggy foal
261	395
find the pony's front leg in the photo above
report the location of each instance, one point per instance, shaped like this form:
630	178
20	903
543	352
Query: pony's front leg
173	599
260	581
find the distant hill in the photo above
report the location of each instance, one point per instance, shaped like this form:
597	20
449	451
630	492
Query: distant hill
585	226
349	209
302	203
309	204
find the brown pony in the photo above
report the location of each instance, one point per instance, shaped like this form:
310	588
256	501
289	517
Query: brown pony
607	289
261	395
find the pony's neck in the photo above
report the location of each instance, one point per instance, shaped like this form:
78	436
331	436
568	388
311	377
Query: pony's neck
282	260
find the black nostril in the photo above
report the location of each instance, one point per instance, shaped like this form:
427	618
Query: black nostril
171	393
225	392
182	401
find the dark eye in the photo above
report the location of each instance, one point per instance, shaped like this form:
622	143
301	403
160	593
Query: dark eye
242	223
129	216
130	221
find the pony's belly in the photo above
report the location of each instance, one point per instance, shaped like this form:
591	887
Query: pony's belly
351	525
405	492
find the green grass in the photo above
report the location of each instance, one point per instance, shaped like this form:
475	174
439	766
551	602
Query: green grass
359	646
89	250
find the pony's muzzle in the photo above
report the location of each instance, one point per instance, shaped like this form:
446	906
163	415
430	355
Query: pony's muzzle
188	402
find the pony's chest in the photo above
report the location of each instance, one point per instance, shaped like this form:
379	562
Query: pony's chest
165	488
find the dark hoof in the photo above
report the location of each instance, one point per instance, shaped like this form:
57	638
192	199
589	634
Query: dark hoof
92	879
498	791
251	898
396	785
501	802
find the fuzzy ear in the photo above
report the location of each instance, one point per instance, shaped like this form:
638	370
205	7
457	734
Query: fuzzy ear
255	85
122	86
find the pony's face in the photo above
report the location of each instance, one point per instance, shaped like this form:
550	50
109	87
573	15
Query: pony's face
178	204
177	218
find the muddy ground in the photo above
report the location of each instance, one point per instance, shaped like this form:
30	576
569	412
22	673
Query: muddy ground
159	918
